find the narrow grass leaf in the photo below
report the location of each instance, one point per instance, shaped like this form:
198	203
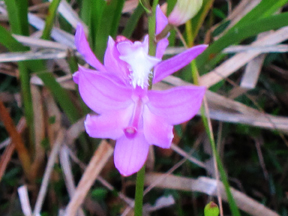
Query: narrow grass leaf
238	34
50	19
198	20
264	9
108	25
17	13
132	22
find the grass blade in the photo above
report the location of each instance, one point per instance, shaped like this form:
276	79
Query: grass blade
236	35
50	18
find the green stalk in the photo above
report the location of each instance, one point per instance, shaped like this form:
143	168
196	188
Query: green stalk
139	192
152	51
152	29
208	128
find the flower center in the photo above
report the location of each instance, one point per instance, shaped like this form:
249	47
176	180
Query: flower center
141	64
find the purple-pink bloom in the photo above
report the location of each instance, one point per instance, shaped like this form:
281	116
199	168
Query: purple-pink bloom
127	111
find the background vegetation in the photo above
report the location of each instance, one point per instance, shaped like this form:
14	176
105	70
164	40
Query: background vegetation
49	164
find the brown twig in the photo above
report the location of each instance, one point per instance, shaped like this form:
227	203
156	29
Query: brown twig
16	139
99	159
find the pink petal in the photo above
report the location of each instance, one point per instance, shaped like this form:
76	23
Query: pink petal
130	154
161	20
177	62
113	63
176	105
108	125
84	49
101	93
156	130
161	47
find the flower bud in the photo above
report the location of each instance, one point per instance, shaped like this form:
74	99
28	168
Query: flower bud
183	11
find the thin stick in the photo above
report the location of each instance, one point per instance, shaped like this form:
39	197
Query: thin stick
24	200
96	164
6	156
16	139
83	166
68	176
48	171
206	110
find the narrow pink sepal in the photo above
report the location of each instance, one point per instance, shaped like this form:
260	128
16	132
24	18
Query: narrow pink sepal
171	65
156	130
161	20
112	62
108	125
84	49
161	47
176	105
130	154
101	93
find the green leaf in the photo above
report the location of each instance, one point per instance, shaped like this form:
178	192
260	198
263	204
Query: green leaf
85	11
219	13
10	42
107	25
221	28
264	9
50	19
171	5
238	34
145	5
17	13
198	20
132	22
211	209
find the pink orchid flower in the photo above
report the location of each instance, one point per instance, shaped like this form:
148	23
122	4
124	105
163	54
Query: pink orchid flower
127	111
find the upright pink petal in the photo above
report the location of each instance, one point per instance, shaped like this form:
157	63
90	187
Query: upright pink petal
130	154
84	49
112	62
177	62
176	105
161	23
161	47
108	125
101	93
161	20
156	130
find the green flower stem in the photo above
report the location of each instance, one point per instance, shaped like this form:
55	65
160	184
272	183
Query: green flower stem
152	29
139	192
209	131
152	51
151	33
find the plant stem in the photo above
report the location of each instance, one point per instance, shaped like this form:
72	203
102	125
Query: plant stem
209	131
152	51
139	192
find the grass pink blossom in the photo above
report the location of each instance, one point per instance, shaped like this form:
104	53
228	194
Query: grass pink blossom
127	110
